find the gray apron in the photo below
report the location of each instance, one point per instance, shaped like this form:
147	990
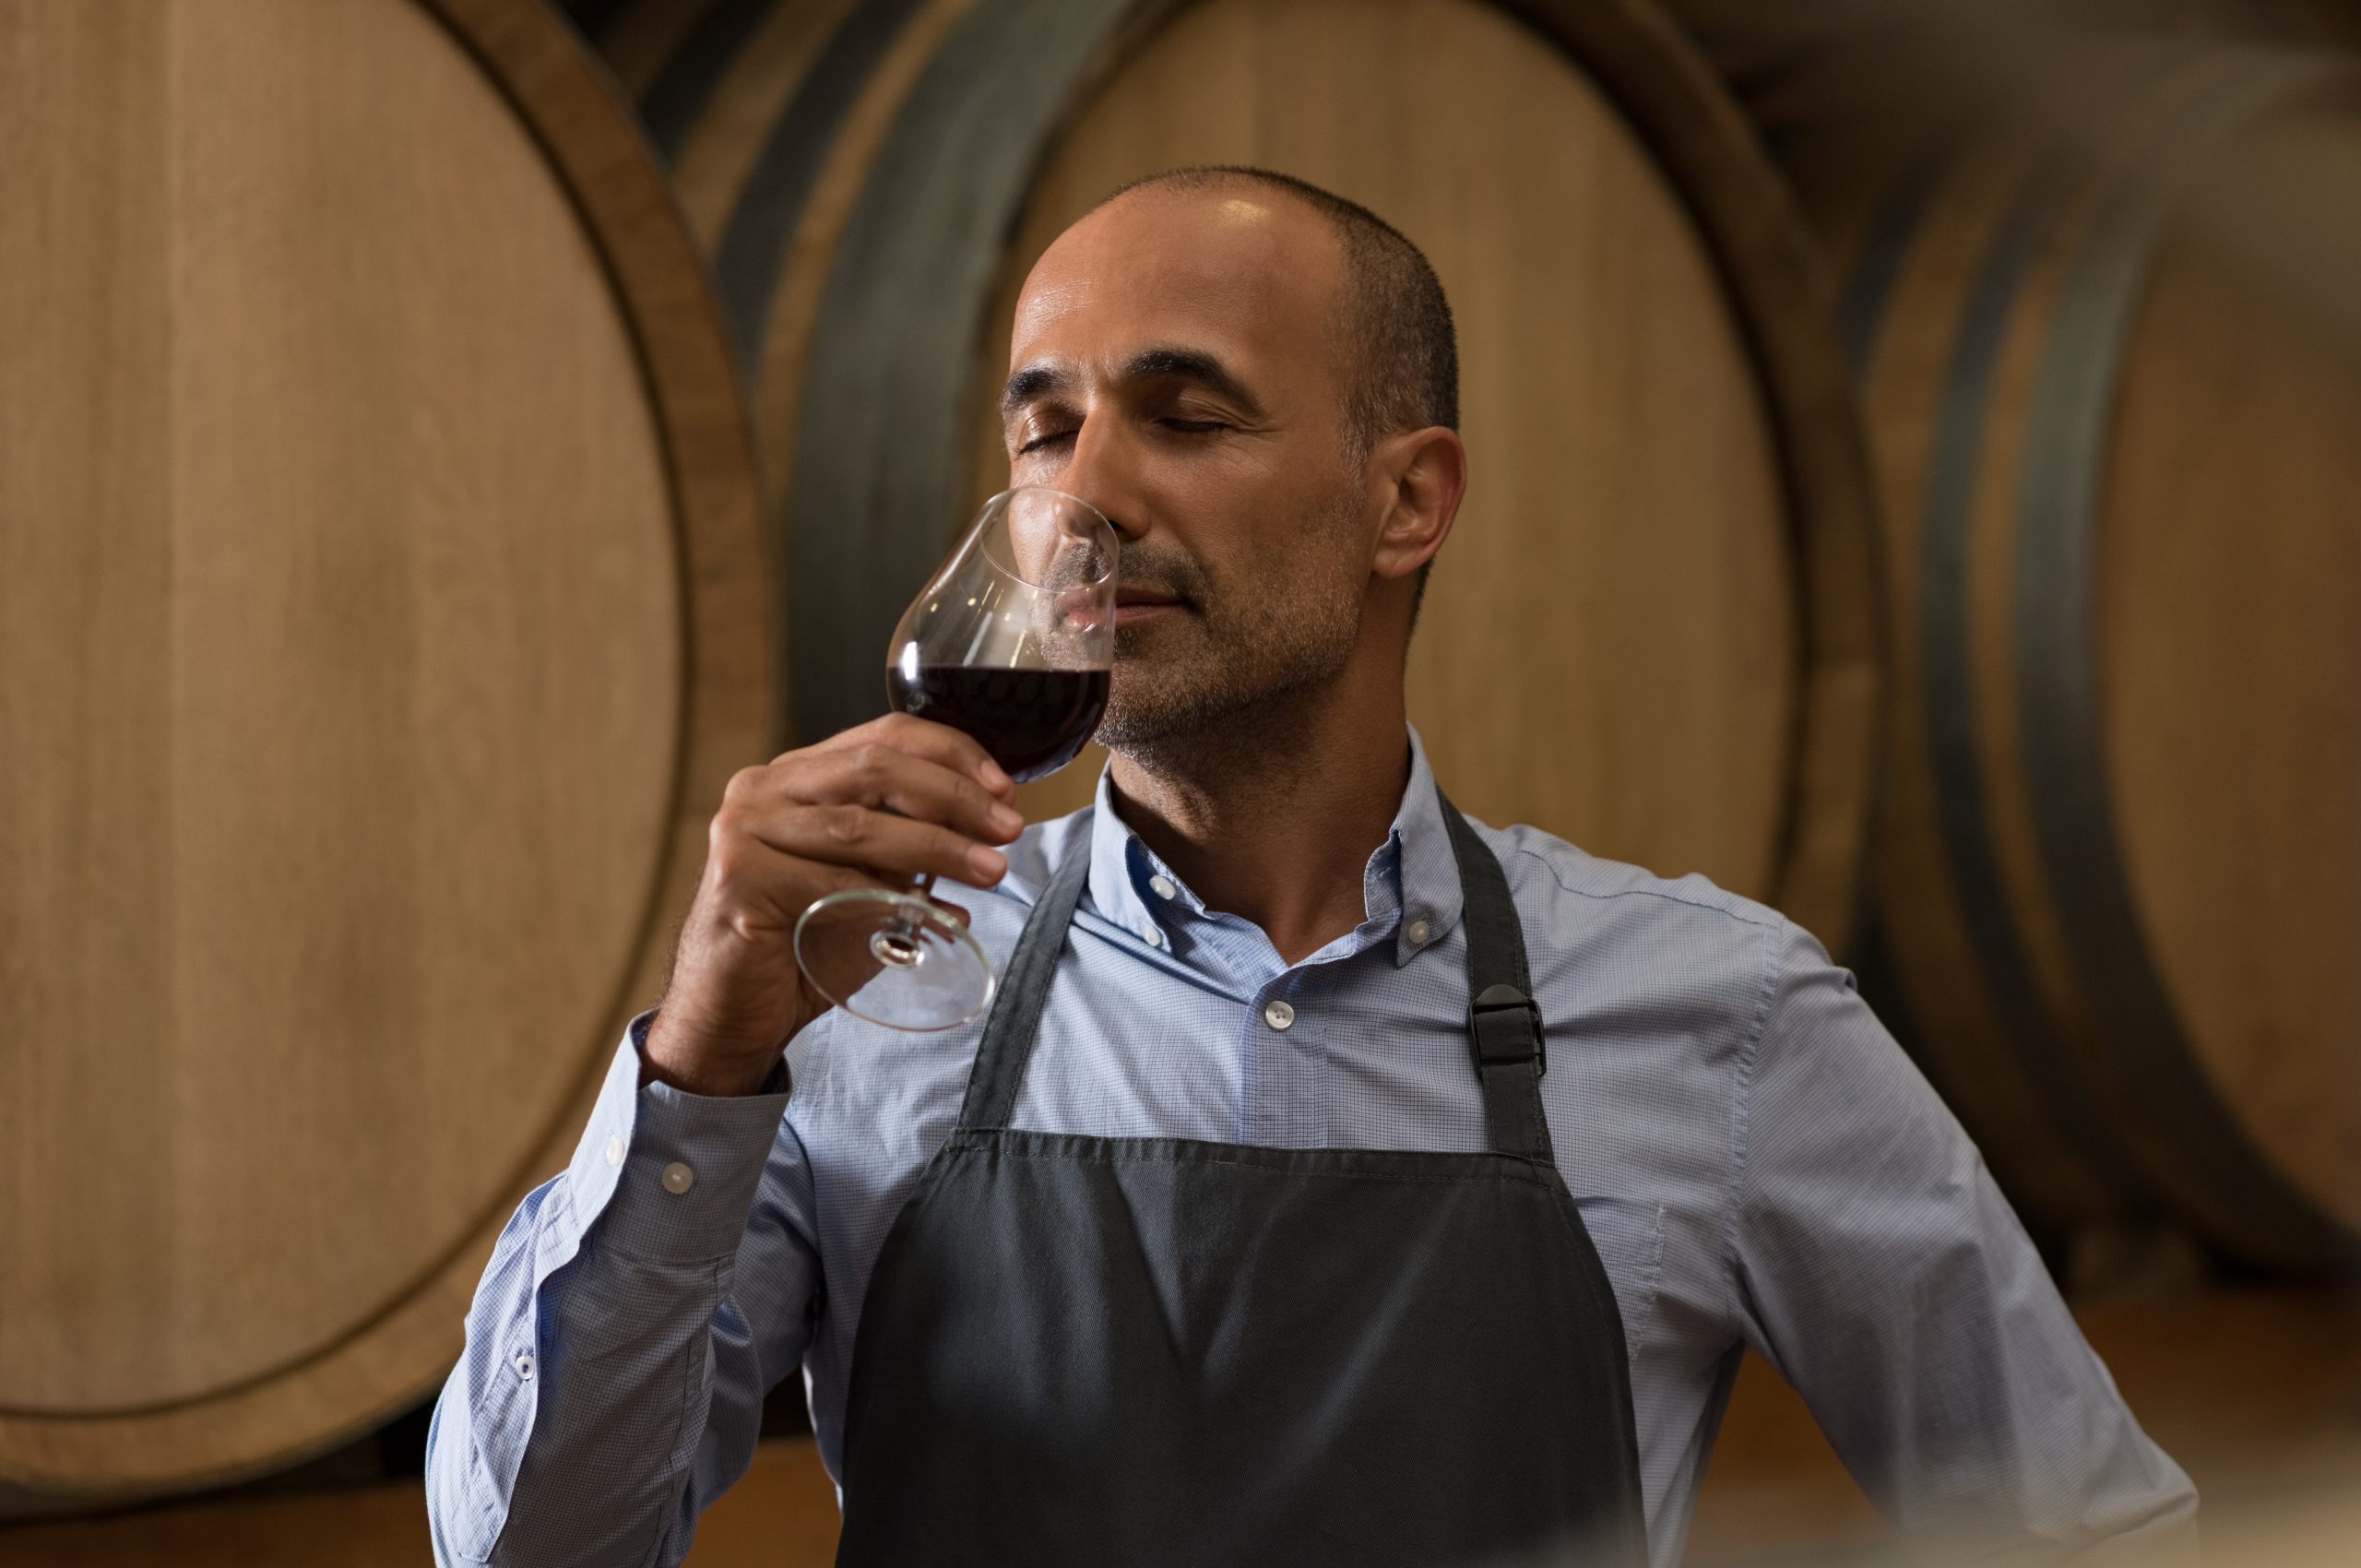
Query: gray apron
1112	1351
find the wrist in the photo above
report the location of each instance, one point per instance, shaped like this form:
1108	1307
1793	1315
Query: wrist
695	1067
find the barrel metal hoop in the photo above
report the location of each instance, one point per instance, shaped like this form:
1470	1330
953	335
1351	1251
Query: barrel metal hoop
2190	1146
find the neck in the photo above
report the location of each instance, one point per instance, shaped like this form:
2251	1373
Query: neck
1274	816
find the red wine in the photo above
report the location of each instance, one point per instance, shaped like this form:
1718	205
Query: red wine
1033	721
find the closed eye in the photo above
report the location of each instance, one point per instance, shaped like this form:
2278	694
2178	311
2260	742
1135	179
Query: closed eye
1194	427
1039	442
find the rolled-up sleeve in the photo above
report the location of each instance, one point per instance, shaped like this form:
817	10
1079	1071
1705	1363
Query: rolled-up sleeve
636	1310
1880	1271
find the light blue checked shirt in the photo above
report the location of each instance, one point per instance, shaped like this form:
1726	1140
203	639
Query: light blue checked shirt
1756	1160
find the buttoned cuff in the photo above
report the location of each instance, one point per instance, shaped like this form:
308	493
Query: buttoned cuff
667	1175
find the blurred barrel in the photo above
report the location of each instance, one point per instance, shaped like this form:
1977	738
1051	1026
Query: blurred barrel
768	115
1654	630
1855	98
1801	66
2111	363
380	616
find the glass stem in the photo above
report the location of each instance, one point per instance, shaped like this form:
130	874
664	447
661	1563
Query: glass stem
908	929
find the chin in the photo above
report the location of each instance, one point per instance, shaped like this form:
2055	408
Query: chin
1153	708
1144	711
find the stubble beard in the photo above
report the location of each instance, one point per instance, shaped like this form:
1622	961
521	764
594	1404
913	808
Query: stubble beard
1228	683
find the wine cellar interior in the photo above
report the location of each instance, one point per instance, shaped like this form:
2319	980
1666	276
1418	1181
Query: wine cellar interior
1917	453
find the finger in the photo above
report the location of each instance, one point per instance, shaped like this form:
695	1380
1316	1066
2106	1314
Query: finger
877	776
822	881
847	835
761	886
937	742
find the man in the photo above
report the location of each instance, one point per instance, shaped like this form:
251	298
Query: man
1334	1180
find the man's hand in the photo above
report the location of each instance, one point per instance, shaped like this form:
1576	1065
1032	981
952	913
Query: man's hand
877	806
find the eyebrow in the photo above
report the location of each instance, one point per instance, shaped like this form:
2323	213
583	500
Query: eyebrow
1033	382
1159	363
1193	364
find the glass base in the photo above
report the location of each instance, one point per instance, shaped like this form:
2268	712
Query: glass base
894	959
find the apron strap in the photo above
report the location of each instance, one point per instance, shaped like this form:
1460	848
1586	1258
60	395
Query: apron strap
1504	1021
1016	1017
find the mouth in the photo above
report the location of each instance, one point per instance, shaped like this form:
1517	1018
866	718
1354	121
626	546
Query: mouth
1134	606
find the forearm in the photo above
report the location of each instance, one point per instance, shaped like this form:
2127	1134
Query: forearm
613	1383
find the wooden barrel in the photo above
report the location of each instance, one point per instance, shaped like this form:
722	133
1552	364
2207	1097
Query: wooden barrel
1798	69
2112	372
767	113
1855	97
1654	630
381	614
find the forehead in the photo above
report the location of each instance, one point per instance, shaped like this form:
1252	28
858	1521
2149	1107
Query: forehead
1253	278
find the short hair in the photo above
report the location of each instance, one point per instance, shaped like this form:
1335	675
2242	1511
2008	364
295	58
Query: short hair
1395	317
1395	320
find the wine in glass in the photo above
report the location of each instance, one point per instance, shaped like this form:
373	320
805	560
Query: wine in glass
1013	642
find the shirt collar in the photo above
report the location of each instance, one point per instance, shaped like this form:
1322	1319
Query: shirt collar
1411	880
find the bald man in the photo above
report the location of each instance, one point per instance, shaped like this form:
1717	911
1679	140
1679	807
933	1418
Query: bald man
1335	1180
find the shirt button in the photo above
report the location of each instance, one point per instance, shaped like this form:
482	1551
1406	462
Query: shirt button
1418	932
1161	887
1151	936
525	1367
1278	1014
679	1178
615	1149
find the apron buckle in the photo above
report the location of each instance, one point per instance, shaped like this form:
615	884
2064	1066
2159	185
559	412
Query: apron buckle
1505	1027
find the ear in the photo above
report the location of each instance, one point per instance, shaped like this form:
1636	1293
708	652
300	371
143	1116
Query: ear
1424	473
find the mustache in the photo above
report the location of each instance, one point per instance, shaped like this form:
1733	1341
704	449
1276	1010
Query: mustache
1176	577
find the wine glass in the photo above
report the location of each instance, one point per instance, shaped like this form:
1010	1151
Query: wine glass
1010	641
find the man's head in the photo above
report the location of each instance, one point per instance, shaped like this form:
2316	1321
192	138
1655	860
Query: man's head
1393	324
1257	382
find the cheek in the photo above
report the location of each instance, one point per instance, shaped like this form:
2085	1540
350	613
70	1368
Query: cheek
1218	493
1291	572
1266	526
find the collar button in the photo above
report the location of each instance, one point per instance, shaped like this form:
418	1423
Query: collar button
1418	931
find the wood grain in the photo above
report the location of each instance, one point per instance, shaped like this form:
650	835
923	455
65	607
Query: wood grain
729	133
380	622
2231	637
2116	848
2053	1175
803	277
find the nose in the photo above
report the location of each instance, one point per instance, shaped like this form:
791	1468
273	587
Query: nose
1101	471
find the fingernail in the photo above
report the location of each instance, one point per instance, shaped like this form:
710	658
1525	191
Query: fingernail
989	864
993	778
1008	819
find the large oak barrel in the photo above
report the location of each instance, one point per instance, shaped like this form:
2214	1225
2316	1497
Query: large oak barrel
1654	630
2111	363
380	612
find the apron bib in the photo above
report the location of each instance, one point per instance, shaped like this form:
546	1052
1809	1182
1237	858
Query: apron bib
1081	1350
